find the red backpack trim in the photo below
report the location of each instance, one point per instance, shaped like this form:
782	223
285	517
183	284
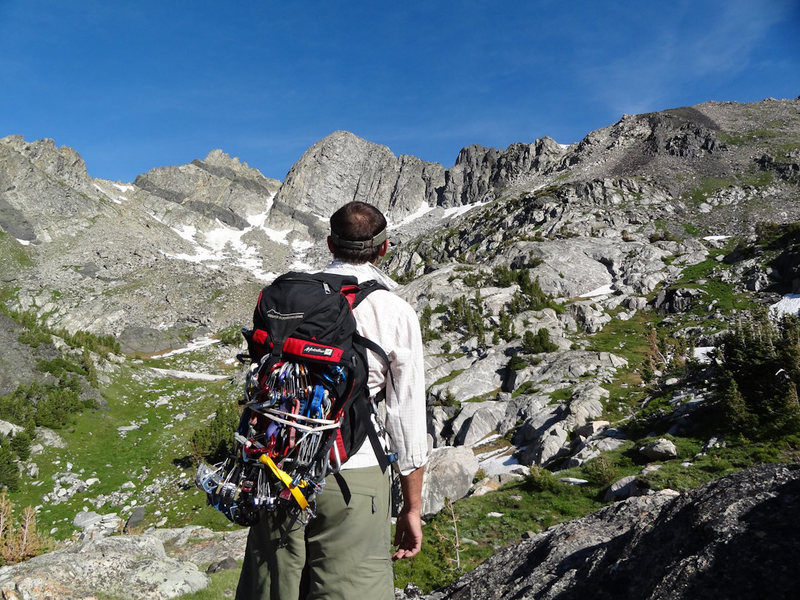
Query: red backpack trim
306	350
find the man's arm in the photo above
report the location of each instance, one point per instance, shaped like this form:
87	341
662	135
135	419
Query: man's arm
408	531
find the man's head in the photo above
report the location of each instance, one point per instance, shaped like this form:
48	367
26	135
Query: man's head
358	233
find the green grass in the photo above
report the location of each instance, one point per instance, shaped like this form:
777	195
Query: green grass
625	338
449	377
561	396
155	451
12	253
523	508
223	585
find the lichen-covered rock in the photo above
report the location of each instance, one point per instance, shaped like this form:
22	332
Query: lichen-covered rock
662	546
134	567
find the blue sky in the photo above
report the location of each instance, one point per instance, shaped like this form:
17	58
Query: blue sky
137	85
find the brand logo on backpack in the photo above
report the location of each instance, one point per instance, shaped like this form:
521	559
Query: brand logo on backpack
310	350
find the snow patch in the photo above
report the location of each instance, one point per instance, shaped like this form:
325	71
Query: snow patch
457	211
498	461
420	212
188	374
117	200
788	305
601	291
224	246
424	209
703	353
23	242
123	187
194	345
187	232
716	238
300	250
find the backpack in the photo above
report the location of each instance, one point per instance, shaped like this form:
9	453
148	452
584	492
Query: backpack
306	404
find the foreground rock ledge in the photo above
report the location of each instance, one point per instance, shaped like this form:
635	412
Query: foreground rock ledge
134	567
738	537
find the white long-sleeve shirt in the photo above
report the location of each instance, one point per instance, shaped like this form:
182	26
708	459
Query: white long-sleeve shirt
392	323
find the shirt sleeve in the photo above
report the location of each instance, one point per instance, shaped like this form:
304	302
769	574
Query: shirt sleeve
406	416
392	323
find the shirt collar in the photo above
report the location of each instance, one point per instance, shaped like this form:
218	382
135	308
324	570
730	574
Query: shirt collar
362	272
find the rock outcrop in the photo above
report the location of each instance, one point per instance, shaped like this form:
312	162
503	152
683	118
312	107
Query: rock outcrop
734	538
343	167
136	260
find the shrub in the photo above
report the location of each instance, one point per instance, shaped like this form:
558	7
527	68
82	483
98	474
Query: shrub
214	441
600	471
759	377
542	480
232	336
21	445
535	343
18	541
9	474
517	363
47	405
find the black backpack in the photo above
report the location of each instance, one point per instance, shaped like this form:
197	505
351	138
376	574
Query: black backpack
306	404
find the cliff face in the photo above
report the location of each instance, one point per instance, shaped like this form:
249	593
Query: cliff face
343	167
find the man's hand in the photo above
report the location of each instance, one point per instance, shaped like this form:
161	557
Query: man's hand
408	535
408	530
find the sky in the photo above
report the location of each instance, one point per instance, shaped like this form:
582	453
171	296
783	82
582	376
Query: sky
133	86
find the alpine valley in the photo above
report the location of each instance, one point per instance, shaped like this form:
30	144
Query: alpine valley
612	354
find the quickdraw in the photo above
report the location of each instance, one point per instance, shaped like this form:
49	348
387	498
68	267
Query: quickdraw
288	410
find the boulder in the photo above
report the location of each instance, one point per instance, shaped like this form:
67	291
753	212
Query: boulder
448	474
661	449
94	525
8	429
586	403
591	428
494	483
439	424
621	489
477	420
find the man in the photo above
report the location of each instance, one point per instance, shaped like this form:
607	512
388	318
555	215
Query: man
344	552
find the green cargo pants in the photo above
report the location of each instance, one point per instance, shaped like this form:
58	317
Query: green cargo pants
342	554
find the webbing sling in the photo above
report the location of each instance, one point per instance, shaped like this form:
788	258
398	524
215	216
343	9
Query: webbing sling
286	480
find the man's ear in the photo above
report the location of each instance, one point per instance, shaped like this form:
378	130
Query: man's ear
384	248
331	247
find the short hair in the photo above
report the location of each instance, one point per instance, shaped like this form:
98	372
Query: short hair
358	230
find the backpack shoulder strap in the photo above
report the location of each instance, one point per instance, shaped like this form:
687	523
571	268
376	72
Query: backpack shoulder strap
355	294
365	289
377	349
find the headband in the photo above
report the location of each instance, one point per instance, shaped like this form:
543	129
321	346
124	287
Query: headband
376	241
